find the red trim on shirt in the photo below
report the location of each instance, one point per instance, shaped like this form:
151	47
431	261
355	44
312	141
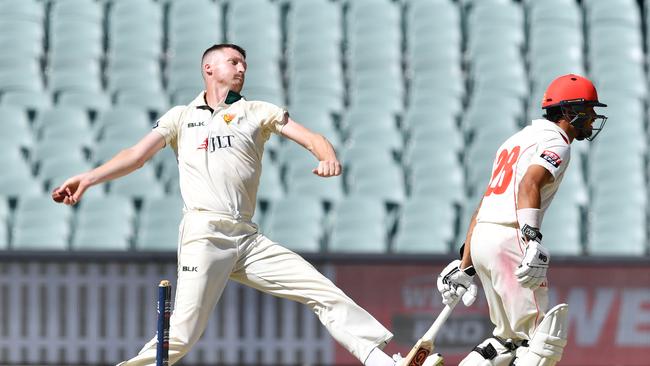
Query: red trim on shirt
564	138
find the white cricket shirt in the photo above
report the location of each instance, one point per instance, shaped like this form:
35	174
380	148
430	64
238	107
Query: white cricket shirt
220	151
542	143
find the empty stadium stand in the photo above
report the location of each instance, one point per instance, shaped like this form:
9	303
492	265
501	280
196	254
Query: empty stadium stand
415	95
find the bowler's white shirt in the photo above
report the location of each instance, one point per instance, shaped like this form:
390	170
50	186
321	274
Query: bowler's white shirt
220	151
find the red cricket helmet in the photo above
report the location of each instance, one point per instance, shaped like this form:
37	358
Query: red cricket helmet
571	89
576	96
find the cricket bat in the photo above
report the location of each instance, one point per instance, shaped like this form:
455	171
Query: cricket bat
424	346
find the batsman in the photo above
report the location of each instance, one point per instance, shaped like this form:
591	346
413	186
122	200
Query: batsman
504	245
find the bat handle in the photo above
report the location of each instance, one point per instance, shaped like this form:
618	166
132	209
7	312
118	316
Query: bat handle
440	320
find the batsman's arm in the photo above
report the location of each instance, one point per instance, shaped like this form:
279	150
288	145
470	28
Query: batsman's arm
529	196
123	163
530	186
317	144
466	256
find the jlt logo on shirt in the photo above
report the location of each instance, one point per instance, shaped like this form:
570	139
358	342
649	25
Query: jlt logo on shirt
212	143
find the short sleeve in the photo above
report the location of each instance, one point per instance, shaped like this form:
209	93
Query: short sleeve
271	117
168	125
553	154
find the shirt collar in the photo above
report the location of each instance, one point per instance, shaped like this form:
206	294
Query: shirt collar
200	103
546	124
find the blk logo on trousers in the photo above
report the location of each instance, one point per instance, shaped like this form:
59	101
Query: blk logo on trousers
189	269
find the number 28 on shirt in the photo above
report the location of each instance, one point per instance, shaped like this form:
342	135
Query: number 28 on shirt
503	172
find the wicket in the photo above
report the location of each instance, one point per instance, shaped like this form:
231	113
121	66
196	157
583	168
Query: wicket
164	313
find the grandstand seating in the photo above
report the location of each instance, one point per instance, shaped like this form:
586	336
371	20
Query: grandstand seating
415	95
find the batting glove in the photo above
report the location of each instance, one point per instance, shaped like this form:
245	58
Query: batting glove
454	282
531	273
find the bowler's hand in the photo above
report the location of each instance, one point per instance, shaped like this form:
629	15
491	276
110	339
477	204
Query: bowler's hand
72	189
328	168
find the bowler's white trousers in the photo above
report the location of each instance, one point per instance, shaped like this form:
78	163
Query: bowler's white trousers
215	248
515	311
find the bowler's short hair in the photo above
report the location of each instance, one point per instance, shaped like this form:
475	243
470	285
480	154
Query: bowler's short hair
221	46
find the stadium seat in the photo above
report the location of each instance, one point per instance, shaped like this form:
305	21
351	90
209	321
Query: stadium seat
158	223
100	238
300	180
158	239
123	136
294	210
22	30
545	12
313	117
39	223
157	103
302	214
290	151
123	116
185	20
4	235
5	209
446	16
605	236
162	211
65	118
562	227
270	188
106	149
77	9
186	79
17	131
367	238
39	211
104	223
298	239
48	238
141	183
389	137
326	82
74	81
86	33
383	181
28	10
355	208
416	96
256	26
53	172
95	209
443	135
359	224
438	179
366	154
31	100
56	149
96	102
425	225
624	12
17	180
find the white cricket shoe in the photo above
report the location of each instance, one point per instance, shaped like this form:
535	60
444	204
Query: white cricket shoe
434	359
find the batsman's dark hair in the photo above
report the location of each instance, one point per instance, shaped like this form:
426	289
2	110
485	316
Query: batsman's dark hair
221	46
554	114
